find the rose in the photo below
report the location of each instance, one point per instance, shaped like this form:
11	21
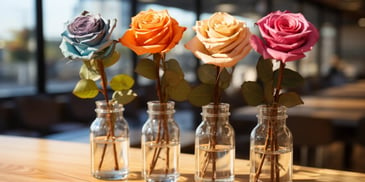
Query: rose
221	40
152	32
286	36
156	33
88	37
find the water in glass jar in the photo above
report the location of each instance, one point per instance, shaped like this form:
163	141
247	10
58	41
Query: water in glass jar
105	155
215	164
161	162
284	156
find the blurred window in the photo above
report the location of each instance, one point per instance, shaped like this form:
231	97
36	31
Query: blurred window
17	48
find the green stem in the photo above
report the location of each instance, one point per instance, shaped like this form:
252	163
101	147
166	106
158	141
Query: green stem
162	133
275	162
271	135
104	91
213	140
159	60
216	87
280	80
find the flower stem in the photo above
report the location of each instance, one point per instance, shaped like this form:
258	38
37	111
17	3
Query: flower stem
211	157
278	85
162	133
159	60
216	87
271	138
110	134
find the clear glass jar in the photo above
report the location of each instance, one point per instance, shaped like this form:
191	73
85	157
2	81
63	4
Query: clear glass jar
160	143
215	145
271	146
109	138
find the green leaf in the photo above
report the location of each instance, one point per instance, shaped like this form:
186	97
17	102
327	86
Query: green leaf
146	68
86	89
207	74
291	79
224	79
87	73
111	60
179	92
290	99
171	78
124	96
264	69
201	95
173	65
253	93
121	82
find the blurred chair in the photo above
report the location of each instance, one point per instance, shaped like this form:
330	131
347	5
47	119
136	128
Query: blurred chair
358	161
360	134
43	114
309	132
81	110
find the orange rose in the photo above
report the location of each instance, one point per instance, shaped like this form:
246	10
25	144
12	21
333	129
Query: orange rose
221	40
152	32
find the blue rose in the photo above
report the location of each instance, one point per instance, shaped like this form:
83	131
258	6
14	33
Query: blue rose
88	37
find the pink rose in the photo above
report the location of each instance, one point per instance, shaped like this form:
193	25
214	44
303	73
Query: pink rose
286	36
221	40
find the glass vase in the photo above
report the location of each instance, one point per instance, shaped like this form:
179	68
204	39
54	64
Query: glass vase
271	146
215	145
160	143
109	138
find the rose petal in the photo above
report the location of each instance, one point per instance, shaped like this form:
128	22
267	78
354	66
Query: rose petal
222	60
70	52
224	44
311	41
195	45
284	56
129	41
178	33
258	45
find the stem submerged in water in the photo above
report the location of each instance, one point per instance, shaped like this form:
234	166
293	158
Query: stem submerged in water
271	138
110	117
163	137
210	156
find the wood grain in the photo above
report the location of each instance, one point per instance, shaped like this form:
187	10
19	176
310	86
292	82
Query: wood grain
39	160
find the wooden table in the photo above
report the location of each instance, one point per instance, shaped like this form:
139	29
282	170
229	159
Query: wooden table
39	160
349	90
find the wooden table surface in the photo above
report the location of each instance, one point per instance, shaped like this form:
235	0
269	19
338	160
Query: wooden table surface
40	160
349	90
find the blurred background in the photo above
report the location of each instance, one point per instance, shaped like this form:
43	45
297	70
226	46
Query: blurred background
36	81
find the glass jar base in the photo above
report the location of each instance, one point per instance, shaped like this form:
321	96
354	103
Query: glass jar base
229	179
160	178
111	175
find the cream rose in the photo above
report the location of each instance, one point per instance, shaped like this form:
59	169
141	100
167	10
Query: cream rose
221	40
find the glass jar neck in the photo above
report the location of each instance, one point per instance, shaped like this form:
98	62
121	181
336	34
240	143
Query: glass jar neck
113	107
157	109
214	113
273	114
